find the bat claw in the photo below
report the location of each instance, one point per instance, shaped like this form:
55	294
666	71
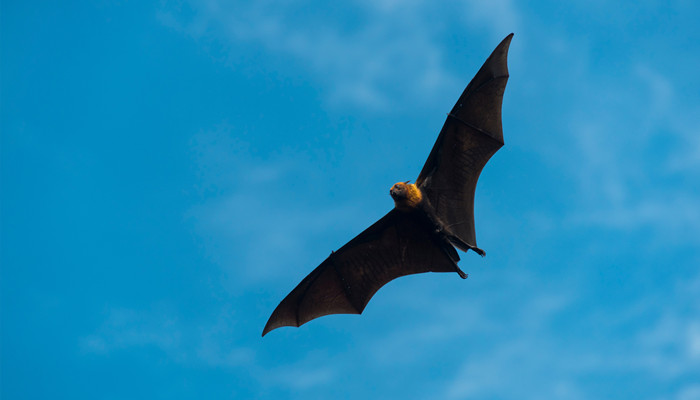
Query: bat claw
479	251
461	273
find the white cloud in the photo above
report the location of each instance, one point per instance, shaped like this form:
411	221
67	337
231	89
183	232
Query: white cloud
625	179
391	51
496	16
244	222
208	343
668	344
297	377
690	392
249	236
693	338
648	338
517	370
213	342
126	328
669	112
674	218
660	89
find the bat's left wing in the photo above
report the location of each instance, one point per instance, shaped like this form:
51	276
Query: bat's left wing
470	136
398	244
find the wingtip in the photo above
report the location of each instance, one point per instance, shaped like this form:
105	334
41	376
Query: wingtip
270	326
506	40
500	53
266	329
273	322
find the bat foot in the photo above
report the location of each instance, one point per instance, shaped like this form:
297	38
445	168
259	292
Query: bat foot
462	274
478	251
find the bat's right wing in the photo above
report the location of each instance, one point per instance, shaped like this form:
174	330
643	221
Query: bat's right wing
470	136
396	245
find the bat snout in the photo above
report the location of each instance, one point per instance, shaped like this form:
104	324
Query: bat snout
396	192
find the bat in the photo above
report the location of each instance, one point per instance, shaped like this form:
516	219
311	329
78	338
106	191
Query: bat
430	217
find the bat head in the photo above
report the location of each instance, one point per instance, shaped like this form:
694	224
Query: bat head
406	195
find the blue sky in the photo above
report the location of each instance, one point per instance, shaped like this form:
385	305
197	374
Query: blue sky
171	169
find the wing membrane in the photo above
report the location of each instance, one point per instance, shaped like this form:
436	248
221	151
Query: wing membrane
471	134
398	244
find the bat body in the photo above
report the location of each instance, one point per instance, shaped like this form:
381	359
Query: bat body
430	218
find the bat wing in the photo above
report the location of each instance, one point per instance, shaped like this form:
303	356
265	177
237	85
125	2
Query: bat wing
398	244
470	136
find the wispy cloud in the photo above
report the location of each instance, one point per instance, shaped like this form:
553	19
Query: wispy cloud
690	392
242	224
494	17
389	52
535	362
213	343
125	328
632	155
514	370
672	218
304	377
206	343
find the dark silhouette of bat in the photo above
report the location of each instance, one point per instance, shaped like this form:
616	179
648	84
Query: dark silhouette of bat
429	219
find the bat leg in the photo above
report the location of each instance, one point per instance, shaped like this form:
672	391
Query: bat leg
477	250
461	273
464	246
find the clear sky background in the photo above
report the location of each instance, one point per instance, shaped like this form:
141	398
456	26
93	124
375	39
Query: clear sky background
172	169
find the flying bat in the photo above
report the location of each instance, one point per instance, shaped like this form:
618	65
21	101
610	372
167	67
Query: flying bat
430	217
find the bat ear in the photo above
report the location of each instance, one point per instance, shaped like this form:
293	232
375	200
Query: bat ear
407	182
